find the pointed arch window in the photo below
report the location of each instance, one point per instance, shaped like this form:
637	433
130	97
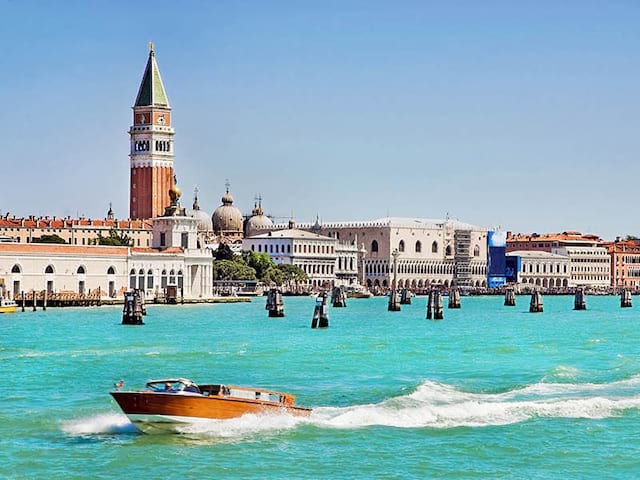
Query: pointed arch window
80	270
476	251
111	271
374	246
16	269
150	279
163	279
180	279
448	250
49	269
418	246
434	247
401	246
172	277
132	278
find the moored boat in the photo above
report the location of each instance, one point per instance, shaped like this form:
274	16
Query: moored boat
7	306
165	405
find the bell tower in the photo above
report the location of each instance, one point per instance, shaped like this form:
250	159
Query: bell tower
151	146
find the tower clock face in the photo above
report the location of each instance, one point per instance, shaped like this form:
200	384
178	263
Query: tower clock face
161	119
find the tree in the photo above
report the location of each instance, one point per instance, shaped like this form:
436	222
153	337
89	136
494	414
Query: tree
631	237
224	252
115	239
273	275
260	262
48	239
293	273
232	270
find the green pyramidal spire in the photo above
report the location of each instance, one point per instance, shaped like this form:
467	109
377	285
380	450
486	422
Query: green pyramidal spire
151	90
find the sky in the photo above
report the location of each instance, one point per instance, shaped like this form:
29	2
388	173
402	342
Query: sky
521	116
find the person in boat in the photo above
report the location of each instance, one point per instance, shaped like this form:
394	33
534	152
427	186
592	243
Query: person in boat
167	387
224	391
119	385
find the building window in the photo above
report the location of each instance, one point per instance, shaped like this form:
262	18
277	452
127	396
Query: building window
476	251
49	269
434	247
401	246
163	239
132	278
448	251
180	279
172	277
163	279
374	246
418	247
150	279
80	270
16	269
111	271
185	240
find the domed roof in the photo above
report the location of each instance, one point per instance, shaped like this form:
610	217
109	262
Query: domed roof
204	220
258	221
227	219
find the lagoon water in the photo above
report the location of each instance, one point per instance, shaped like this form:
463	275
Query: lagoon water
488	392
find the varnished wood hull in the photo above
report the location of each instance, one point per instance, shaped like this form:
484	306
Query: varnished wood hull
151	411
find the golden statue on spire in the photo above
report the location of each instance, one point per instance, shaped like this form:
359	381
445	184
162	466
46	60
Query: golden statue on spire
151	46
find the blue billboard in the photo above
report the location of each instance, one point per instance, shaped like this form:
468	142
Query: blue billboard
513	268
496	258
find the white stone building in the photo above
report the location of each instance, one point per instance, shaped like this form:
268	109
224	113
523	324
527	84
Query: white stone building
431	251
173	259
324	259
590	265
543	269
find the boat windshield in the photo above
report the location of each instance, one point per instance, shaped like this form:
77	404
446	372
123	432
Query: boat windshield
172	386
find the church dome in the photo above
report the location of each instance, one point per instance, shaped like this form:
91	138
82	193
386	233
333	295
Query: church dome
227	219
204	220
258	221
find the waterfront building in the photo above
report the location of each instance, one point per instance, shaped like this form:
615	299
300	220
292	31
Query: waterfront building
152	150
625	263
589	263
431	252
325	260
75	231
173	259
542	269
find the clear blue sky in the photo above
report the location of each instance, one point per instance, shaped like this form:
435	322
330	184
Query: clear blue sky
524	116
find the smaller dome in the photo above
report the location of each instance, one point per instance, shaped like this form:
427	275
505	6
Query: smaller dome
227	219
257	223
204	220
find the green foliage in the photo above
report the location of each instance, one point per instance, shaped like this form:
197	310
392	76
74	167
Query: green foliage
260	262
224	252
115	239
631	237
293	273
232	270
48	239
273	275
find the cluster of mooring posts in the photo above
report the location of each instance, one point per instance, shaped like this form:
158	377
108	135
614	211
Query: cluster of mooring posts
405	297
579	303
338	297
536	305
454	298
320	316
435	310
625	298
510	298
133	309
275	304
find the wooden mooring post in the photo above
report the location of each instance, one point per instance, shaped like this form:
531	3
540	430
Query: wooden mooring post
536	305
275	304
579	302
320	317
509	297
338	297
625	298
454	298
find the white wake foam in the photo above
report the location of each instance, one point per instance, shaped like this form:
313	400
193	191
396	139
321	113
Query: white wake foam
104	423
431	405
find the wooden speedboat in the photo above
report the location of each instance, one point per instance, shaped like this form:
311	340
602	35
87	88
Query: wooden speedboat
7	306
165	404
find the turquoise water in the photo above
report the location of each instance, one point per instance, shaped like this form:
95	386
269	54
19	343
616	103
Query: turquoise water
488	392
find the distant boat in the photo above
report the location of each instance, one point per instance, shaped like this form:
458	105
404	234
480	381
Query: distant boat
358	291
7	306
166	404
